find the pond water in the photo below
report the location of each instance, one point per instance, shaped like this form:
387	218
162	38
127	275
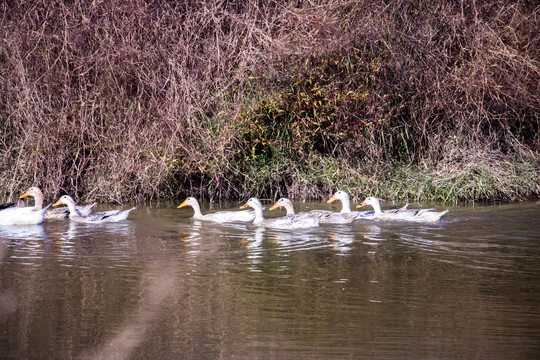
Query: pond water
163	286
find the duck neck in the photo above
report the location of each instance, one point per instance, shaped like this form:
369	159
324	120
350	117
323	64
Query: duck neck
197	210
72	209
38	201
259	218
377	207
345	205
290	208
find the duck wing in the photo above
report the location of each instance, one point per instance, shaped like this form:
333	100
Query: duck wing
298	221
86	210
230	216
116	215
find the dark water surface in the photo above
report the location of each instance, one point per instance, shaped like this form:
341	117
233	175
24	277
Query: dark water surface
162	286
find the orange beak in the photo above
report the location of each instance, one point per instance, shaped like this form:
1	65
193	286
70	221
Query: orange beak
275	206
332	199
361	205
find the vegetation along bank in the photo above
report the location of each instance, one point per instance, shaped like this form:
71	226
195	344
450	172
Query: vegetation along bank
144	99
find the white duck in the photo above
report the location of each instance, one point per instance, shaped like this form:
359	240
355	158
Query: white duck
28	215
95	218
286	222
346	205
422	215
58	213
330	218
220	216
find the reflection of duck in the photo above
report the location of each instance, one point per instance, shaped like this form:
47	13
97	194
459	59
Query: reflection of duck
254	241
192	236
330	218
57	213
220	216
286	222
28	232
78	229
421	215
100	217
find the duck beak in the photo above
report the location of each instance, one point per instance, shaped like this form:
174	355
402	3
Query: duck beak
275	206
244	206
24	195
332	199
59	202
182	204
361	205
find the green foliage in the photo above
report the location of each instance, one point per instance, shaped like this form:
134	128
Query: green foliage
319	109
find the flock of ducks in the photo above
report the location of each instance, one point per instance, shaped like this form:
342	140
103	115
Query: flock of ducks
313	218
10	214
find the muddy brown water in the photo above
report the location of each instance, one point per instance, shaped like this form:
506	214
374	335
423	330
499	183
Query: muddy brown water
163	286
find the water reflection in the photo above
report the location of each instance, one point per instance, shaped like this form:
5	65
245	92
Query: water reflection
163	287
341	238
191	236
254	246
8	300
76	230
157	285
301	239
255	242
30	232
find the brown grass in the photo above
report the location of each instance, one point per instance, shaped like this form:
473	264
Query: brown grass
133	100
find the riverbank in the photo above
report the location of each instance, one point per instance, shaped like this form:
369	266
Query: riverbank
124	102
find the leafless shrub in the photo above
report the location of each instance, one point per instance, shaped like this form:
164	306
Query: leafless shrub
137	99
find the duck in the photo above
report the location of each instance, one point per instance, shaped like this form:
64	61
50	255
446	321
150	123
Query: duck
343	197
220	216
302	221
345	202
27	215
330	218
421	215
57	213
94	218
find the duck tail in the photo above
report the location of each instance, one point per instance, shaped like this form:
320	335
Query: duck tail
6	205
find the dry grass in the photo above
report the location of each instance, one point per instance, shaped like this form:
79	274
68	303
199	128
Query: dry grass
138	100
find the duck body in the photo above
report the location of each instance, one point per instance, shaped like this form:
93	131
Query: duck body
220	216
330	217
297	221
22	216
56	213
94	218
63	213
339	218
18	214
420	215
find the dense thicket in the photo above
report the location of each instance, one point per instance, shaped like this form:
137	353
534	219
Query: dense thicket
141	99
